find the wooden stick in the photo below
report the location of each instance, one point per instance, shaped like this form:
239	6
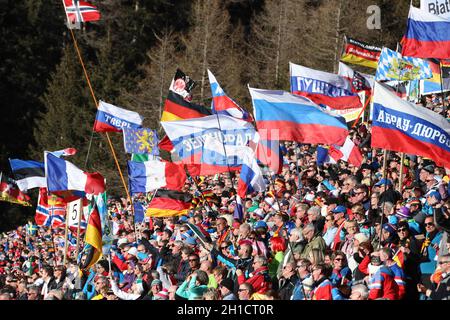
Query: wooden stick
78	228
66	236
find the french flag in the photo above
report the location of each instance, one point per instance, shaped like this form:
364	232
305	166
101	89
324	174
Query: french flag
110	118
401	126
323	88
296	118
64	176
153	174
222	104
251	179
427	35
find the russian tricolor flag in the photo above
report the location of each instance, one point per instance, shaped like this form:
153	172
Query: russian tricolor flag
322	87
110	118
427	35
222	104
251	179
64	176
296	118
401	126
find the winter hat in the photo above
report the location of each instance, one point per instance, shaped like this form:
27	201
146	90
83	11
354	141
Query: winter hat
156	282
403	213
361	237
413	201
228	283
162	295
390	228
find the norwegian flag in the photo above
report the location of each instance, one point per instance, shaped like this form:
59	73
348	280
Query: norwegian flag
50	211
80	11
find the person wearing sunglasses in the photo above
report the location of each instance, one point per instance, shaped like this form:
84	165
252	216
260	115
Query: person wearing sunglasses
410	248
442	215
429	250
442	290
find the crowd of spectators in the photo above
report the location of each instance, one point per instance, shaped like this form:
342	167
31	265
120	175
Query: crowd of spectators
329	232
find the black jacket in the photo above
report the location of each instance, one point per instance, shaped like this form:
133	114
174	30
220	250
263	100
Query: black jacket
286	287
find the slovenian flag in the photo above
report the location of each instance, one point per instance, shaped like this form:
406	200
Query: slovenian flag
323	88
427	35
296	118
64	176
110	118
401	126
154	174
222	104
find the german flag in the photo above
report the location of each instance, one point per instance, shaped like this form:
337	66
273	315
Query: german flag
360	53
169	203
177	108
93	237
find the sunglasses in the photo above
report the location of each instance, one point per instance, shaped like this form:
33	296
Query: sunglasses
443	262
402	230
429	224
242	290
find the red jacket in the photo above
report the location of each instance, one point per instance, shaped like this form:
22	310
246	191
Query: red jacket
383	285
260	280
323	291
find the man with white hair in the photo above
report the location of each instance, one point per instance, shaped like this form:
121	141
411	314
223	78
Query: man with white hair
314	240
359	292
296	242
316	218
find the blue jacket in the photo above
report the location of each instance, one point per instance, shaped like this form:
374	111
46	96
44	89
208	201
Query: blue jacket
428	266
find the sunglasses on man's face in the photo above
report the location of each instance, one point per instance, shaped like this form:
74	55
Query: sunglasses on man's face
429	224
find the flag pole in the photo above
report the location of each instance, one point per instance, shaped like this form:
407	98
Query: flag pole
198	188
78	228
400	182
444	107
366	103
385	154
96	105
225	151
66	236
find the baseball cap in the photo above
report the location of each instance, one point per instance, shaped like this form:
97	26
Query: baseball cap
383	182
434	193
191	241
260	224
339	209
